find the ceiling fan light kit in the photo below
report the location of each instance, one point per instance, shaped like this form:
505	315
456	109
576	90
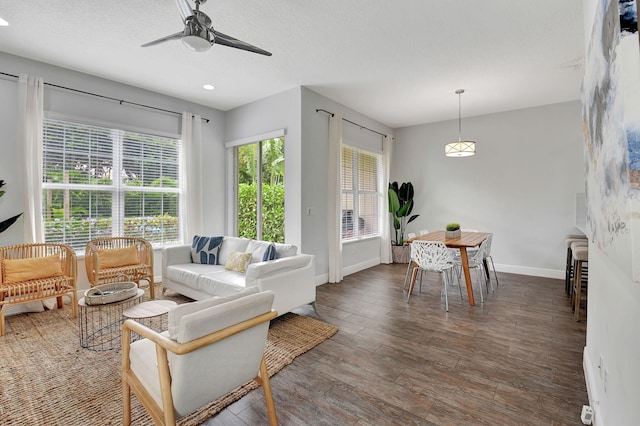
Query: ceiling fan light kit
460	148
198	34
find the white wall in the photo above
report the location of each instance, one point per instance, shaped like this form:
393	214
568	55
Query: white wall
612	327
85	106
315	156
520	185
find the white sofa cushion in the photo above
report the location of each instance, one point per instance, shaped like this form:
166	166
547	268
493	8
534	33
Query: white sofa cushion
230	244
285	250
176	314
188	273
201	321
222	282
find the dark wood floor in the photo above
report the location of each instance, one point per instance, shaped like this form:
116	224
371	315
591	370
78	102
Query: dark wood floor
515	360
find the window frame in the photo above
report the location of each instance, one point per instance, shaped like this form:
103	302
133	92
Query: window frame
356	193
117	188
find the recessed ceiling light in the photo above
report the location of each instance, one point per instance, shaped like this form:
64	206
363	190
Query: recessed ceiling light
208	87
3	23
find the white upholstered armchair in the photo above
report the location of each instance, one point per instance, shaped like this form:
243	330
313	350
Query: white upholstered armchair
212	346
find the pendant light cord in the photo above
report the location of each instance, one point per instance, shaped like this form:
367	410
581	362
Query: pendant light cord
460	117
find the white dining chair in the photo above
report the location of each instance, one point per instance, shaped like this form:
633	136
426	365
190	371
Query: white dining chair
487	257
433	256
423	232
476	262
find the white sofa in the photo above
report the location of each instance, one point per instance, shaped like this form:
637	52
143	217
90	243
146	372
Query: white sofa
290	276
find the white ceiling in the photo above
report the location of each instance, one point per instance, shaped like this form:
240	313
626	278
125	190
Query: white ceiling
398	62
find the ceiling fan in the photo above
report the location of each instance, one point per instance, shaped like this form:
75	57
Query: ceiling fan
199	35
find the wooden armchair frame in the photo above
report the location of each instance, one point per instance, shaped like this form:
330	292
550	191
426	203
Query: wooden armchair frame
166	415
136	273
38	289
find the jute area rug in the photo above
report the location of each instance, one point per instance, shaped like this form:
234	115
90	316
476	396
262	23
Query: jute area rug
47	379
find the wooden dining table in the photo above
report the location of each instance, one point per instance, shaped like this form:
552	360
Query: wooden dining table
466	240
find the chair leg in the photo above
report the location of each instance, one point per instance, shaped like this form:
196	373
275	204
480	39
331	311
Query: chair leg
3	310
480	275
495	274
577	288
263	379
406	275
152	288
126	403
414	275
568	273
446	278
488	281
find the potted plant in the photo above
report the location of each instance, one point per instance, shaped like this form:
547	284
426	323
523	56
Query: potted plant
400	207
8	222
452	230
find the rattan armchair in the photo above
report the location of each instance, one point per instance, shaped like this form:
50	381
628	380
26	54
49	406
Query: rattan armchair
22	282
140	266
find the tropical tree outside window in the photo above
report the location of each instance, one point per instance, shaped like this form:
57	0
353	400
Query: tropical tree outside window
260	180
101	182
360	193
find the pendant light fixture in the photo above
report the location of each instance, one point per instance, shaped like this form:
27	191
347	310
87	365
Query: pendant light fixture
460	148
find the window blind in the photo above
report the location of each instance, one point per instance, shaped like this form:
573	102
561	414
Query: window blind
360	193
100	181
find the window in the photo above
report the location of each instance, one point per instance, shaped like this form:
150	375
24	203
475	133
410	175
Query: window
101	182
260	180
360	193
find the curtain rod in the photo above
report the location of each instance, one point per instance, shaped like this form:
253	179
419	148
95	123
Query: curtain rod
349	121
121	101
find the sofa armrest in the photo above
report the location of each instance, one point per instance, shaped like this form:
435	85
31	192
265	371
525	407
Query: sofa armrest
277	266
175	255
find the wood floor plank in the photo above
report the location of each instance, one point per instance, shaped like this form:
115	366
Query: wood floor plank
514	360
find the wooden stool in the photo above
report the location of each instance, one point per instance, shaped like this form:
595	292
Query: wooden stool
581	257
570	239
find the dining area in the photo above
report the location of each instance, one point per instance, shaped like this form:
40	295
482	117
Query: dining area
453	255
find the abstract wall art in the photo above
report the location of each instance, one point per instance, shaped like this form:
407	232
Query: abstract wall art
611	124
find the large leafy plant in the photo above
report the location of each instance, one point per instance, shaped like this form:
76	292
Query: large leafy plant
400	207
8	222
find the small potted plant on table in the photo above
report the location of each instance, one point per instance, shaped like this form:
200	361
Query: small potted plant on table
453	230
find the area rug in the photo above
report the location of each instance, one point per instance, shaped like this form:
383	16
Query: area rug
46	378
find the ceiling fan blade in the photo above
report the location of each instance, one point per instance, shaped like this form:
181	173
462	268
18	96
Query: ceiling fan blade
226	40
185	9
176	36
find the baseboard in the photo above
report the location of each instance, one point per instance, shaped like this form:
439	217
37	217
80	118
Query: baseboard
348	270
322	279
511	269
534	272
352	269
592	391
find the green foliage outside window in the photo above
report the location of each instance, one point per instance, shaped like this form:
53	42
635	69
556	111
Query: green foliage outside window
273	208
272	178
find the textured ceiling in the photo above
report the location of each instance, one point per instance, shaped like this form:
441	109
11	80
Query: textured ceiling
397	62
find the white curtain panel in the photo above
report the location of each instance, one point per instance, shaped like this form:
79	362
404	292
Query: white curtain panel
30	123
385	229
334	214
190	187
